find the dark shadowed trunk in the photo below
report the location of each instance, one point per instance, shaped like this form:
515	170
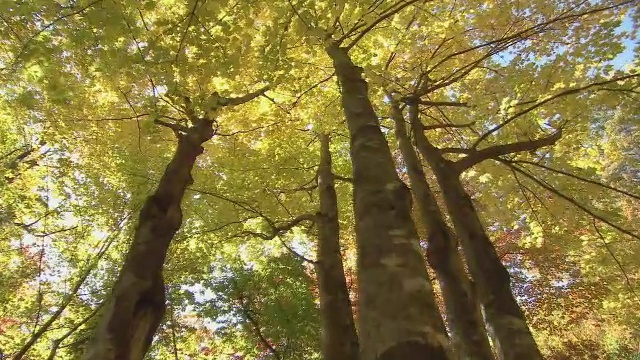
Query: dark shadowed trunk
397	315
137	304
463	311
492	280
339	338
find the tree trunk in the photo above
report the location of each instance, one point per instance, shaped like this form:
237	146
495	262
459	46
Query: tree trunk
397	314
463	310
339	338
137	304
502	312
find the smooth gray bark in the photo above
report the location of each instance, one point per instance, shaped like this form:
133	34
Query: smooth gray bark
493	282
464	318
339	337
397	314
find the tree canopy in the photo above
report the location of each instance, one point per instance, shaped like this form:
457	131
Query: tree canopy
534	103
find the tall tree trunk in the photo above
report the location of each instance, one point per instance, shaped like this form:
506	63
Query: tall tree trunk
339	339
502	312
137	304
397	314
463	310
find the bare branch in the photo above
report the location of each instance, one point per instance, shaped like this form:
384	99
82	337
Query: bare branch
522	189
311	88
306	186
277	229
135	117
68	298
57	342
247	131
191	15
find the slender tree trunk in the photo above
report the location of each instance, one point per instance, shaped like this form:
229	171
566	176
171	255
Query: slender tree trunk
463	311
137	304
397	314
502	312
339	338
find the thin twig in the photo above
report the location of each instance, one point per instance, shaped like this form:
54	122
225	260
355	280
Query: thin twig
615	258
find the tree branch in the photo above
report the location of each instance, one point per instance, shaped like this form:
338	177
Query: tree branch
68	298
57	342
478	156
615	258
283	227
46	27
189	110
175	127
446	126
243	99
547	100
434	103
191	15
256	328
389	12
571	200
577	177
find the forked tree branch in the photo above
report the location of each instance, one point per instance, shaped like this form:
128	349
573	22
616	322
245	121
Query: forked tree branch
55	344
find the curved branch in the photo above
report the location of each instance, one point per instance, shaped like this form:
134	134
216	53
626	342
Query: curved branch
49	25
571	200
593	182
173	126
191	15
447	126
